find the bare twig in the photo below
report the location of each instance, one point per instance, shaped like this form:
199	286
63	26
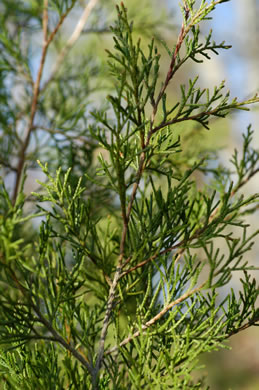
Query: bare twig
106	320
33	105
170	73
36	91
71	41
152	258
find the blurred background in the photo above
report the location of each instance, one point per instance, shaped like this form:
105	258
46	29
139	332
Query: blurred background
236	22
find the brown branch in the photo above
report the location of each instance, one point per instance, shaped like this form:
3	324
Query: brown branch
244	327
117	275
245	181
173	67
198	116
61	341
170	71
155	318
110	304
45	21
183	32
151	258
36	92
73	38
59	24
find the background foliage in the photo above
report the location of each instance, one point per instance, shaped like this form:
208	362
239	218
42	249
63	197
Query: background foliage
111	269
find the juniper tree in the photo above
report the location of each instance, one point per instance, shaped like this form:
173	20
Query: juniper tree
117	286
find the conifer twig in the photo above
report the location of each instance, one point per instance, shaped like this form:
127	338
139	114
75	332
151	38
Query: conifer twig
181	245
156	318
185	28
216	111
47	324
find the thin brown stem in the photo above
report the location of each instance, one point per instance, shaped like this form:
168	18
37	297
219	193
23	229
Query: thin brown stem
184	30
151	258
62	341
200	115
73	38
244	327
36	91
174	64
170	71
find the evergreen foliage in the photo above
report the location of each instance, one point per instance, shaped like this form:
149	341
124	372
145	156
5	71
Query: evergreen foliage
118	288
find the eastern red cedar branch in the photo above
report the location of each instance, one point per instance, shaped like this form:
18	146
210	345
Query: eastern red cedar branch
155	103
